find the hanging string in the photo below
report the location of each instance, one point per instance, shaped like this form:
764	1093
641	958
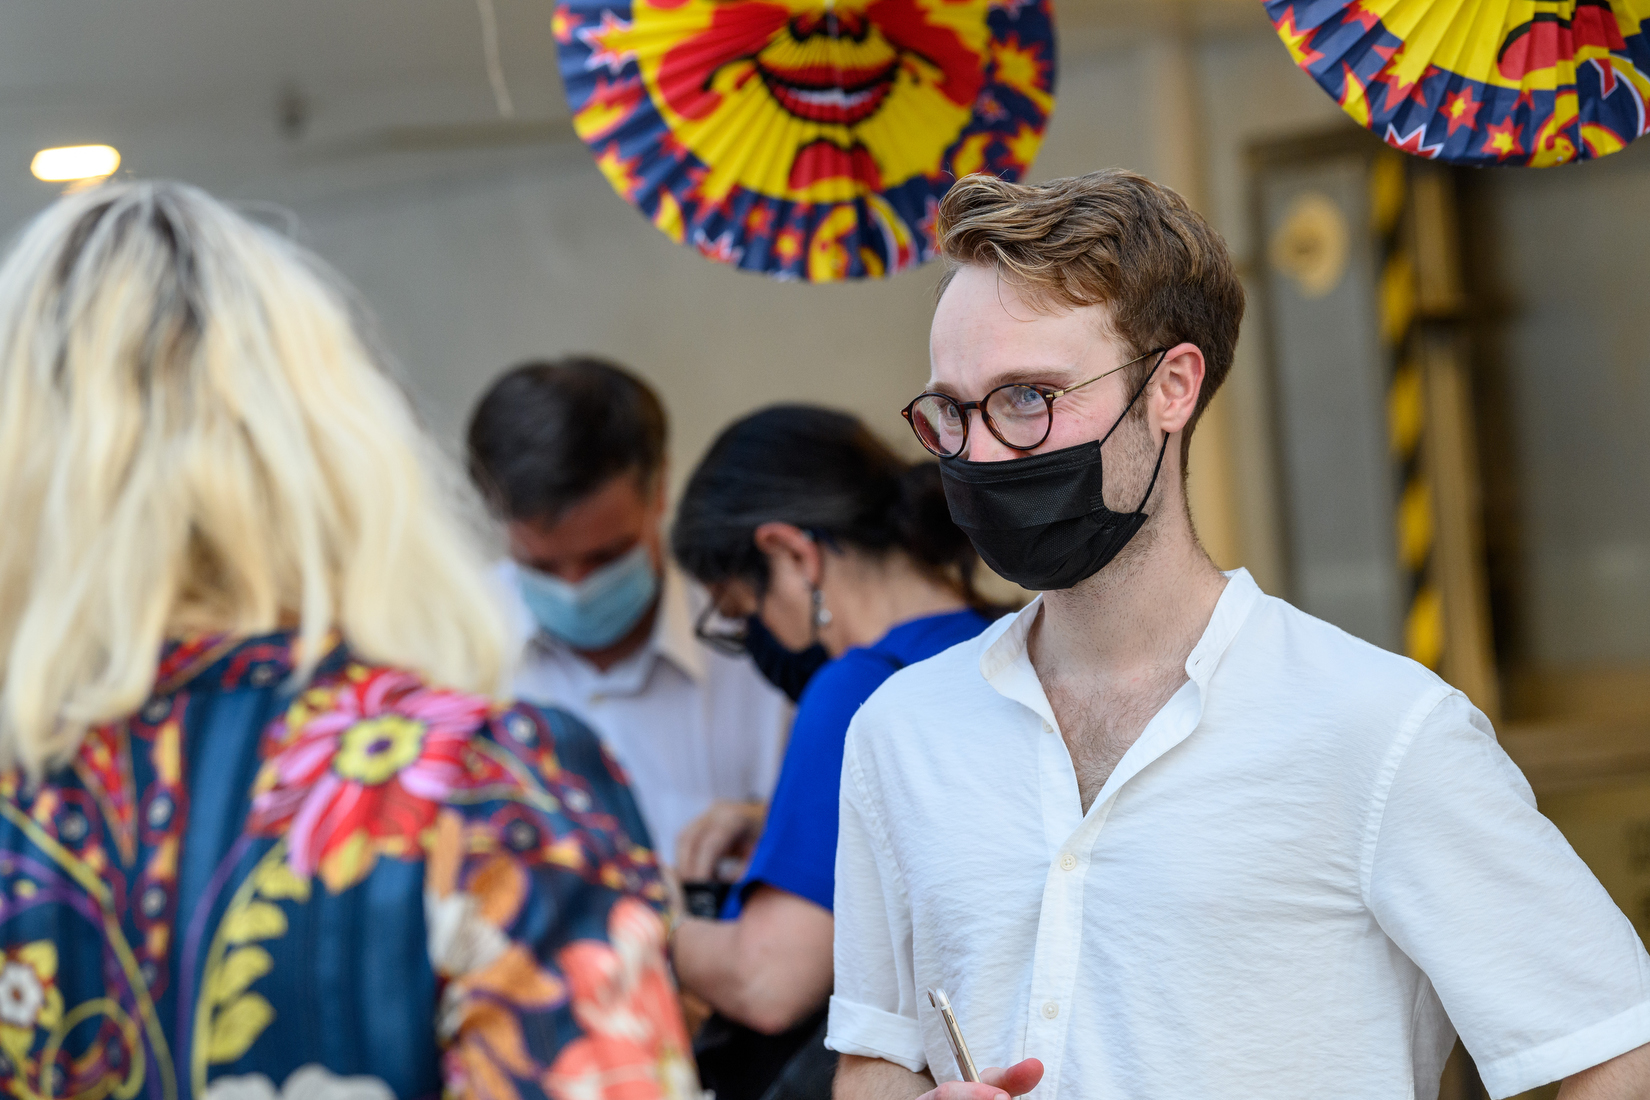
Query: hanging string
495	67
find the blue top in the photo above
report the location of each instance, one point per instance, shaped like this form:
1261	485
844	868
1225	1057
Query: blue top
371	877
797	851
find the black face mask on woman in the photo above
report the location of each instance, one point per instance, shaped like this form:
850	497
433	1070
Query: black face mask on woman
1042	521
788	670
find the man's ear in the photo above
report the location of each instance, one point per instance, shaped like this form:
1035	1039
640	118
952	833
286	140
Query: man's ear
1178	381
791	543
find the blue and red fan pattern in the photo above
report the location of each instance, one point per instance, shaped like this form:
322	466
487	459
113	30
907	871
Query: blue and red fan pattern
1530	83
806	142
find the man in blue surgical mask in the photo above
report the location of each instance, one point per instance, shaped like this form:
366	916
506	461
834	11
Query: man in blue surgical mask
571	456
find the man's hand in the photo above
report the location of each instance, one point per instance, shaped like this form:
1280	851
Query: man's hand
728	830
873	1079
994	1084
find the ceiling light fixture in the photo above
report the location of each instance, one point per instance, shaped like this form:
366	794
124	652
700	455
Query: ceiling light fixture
74	162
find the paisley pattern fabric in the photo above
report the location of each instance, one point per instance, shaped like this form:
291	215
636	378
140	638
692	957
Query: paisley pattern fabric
361	886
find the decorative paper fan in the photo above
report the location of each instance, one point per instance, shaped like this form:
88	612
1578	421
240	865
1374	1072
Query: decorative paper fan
1521	82
809	139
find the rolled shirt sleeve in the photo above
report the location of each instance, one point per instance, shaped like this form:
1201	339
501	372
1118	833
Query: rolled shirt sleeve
872	1011
1540	972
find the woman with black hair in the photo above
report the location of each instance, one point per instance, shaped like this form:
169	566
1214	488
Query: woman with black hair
802	521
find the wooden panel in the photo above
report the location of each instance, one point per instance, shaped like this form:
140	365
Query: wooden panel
1571	754
1608	824
1458	555
1612	695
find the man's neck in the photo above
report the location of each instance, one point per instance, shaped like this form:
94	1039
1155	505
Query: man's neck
1112	651
1146	610
881	593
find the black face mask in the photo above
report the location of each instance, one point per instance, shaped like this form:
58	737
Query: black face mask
1041	521
786	669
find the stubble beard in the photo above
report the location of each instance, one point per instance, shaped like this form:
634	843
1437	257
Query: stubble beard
1128	471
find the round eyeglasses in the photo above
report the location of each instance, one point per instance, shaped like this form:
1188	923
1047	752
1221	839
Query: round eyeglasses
712	629
1019	414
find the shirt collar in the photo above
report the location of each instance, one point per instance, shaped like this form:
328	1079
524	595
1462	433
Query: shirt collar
673	636
1006	665
1005	639
1231	611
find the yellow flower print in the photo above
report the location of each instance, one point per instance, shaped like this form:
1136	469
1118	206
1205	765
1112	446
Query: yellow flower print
372	751
29	997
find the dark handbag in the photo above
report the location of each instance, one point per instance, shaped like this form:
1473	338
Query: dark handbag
738	1063
809	1074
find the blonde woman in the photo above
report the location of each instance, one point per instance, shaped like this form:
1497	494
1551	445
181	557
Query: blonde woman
264	829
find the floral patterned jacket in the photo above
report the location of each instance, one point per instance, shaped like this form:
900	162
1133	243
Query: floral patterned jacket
365	888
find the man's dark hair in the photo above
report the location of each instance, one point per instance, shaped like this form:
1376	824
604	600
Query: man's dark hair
827	473
548	434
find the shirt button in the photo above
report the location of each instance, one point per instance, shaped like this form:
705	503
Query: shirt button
1050	1010
1047	728
1068	862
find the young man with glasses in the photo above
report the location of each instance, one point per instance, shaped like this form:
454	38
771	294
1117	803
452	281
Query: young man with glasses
1161	835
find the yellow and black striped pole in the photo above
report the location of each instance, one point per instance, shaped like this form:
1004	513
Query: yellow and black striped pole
1406	412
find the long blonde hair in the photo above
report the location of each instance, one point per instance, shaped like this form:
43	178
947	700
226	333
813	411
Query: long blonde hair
194	436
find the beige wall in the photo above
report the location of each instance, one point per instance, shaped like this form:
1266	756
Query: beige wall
534	255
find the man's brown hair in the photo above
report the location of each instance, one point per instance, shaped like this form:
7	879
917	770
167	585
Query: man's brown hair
1113	238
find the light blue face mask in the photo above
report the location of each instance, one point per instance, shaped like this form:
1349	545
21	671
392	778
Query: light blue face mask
597	611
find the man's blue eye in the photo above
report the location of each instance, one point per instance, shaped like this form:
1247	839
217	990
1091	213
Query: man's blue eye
1025	399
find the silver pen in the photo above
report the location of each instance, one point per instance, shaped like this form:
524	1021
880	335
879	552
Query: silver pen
959	1048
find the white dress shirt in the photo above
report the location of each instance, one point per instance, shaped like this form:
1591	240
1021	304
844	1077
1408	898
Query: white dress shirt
689	725
1313	867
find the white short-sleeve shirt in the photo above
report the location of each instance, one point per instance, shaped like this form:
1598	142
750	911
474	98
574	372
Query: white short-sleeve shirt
689	725
1313	868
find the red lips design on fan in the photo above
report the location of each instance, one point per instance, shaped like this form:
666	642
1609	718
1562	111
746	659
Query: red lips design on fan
823	94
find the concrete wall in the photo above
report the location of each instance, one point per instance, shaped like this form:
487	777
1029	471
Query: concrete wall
530	253
476	257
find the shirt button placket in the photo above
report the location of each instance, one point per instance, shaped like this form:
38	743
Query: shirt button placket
1060	981
1060	924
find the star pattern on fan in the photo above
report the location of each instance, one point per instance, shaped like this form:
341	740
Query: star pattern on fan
1481	82
1501	140
1461	109
597	39
805	142
1413	142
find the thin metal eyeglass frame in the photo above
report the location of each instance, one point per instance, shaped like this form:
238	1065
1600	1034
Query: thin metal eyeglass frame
963	408
731	642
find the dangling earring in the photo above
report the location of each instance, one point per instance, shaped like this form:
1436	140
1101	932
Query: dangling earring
822	614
